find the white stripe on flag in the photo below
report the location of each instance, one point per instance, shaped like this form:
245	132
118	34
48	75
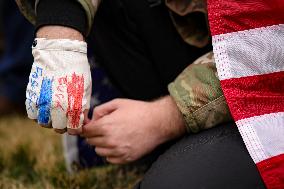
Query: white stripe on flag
263	135
250	52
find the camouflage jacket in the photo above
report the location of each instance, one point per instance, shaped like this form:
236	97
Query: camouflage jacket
196	90
199	96
190	20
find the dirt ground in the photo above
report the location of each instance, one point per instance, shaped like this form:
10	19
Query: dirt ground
31	157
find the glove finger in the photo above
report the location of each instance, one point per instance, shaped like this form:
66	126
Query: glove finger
79	131
86	101
31	109
44	103
48	126
59	119
75	129
60	131
75	93
33	91
59	104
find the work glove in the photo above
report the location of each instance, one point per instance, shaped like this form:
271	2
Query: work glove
59	87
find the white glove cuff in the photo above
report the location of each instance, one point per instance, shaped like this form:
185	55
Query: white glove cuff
60	44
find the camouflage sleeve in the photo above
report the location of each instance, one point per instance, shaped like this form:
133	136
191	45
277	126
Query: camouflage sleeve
190	20
28	9
199	96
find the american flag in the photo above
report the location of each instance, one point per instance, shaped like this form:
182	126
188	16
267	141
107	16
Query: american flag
248	43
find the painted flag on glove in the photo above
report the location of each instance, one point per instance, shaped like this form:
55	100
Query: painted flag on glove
248	43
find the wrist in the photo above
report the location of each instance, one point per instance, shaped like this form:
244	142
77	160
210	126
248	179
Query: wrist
172	124
60	54
59	32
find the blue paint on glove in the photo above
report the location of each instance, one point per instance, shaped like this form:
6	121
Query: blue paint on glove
45	102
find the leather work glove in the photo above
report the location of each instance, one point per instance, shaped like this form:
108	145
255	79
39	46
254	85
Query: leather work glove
59	87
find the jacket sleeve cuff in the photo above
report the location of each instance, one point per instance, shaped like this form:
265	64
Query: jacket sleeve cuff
190	122
198	95
64	12
30	9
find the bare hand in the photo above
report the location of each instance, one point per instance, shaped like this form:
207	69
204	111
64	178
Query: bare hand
125	130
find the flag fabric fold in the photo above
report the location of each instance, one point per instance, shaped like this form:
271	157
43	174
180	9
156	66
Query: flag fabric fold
248	44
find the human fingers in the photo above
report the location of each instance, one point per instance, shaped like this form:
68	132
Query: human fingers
60	131
105	109
77	131
105	152
86	118
115	160
95	128
100	141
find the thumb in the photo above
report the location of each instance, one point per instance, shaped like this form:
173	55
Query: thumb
105	109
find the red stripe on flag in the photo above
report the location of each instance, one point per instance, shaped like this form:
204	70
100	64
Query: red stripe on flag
272	172
228	16
254	95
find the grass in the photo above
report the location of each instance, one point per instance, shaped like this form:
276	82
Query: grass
31	157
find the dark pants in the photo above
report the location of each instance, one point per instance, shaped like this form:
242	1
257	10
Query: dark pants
213	159
142	52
